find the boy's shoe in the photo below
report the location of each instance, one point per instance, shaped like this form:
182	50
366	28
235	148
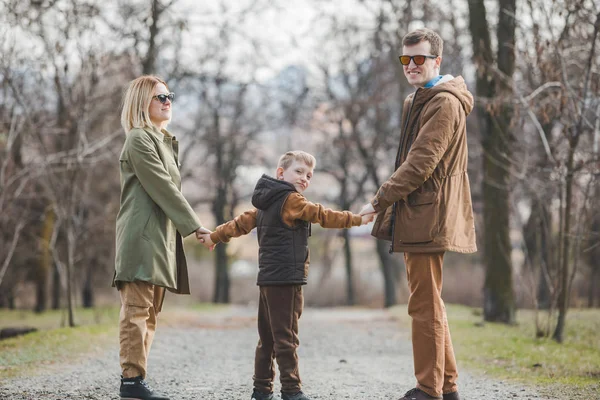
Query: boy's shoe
137	389
417	394
258	395
295	396
451	396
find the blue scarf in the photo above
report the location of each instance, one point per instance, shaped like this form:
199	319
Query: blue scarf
432	82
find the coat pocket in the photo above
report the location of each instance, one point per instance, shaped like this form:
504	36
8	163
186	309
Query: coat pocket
382	228
418	218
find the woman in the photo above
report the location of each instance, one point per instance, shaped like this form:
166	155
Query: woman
152	219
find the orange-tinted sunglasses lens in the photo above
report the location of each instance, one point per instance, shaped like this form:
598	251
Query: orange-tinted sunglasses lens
419	60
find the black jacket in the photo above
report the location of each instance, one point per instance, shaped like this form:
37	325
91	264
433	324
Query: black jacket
283	256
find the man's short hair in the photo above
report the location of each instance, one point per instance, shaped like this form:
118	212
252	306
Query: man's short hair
297	155
424	34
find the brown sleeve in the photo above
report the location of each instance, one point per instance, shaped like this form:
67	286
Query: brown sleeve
240	225
297	207
440	116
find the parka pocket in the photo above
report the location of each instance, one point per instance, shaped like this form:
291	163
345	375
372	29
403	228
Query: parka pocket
382	228
418	218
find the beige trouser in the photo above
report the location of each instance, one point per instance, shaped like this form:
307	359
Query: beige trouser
434	362
140	304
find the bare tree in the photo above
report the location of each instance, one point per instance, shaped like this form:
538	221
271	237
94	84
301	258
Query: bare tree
577	125
228	117
558	112
72	127
494	122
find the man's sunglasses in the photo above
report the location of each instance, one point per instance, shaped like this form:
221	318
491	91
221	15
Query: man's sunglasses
418	60
163	97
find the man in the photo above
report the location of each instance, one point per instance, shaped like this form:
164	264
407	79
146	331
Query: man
425	208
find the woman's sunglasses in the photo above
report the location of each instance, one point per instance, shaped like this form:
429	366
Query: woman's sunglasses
163	97
418	60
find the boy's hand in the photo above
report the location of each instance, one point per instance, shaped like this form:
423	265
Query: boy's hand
367	218
204	238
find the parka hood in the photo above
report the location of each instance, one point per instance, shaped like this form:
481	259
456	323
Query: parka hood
268	190
456	86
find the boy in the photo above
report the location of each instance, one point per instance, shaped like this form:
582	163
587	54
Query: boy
282	216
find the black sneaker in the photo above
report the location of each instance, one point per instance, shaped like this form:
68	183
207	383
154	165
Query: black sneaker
417	394
295	396
451	396
258	395
137	389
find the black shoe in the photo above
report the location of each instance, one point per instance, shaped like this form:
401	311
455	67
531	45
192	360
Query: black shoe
417	394
137	389
258	395
295	396
451	396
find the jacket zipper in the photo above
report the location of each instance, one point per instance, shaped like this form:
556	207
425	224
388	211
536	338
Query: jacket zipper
398	158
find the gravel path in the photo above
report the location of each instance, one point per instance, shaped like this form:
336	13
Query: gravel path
344	354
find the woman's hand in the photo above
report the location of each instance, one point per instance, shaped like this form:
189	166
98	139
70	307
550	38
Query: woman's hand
206	241
201	231
203	236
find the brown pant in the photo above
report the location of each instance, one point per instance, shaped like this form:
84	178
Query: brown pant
435	365
140	304
279	310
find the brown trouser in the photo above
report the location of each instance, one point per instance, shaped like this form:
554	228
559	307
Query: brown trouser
279	310
435	365
140	304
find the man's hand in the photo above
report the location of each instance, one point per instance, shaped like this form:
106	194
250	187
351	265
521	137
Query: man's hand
367	218
367	209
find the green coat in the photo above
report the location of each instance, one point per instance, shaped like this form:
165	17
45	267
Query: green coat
153	215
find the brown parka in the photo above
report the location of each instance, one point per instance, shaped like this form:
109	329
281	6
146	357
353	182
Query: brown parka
425	206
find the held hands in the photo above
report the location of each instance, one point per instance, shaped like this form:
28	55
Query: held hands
367	218
367	209
206	241
203	236
368	214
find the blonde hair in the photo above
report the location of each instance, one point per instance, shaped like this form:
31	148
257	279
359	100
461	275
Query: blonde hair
297	155
136	102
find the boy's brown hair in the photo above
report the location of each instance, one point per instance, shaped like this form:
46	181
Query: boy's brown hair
297	155
424	34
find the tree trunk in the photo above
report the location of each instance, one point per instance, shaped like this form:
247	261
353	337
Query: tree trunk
593	289
563	294
45	262
11	300
499	303
387	265
87	292
221	294
350	300
70	266
149	63
221	289
56	288
536	234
